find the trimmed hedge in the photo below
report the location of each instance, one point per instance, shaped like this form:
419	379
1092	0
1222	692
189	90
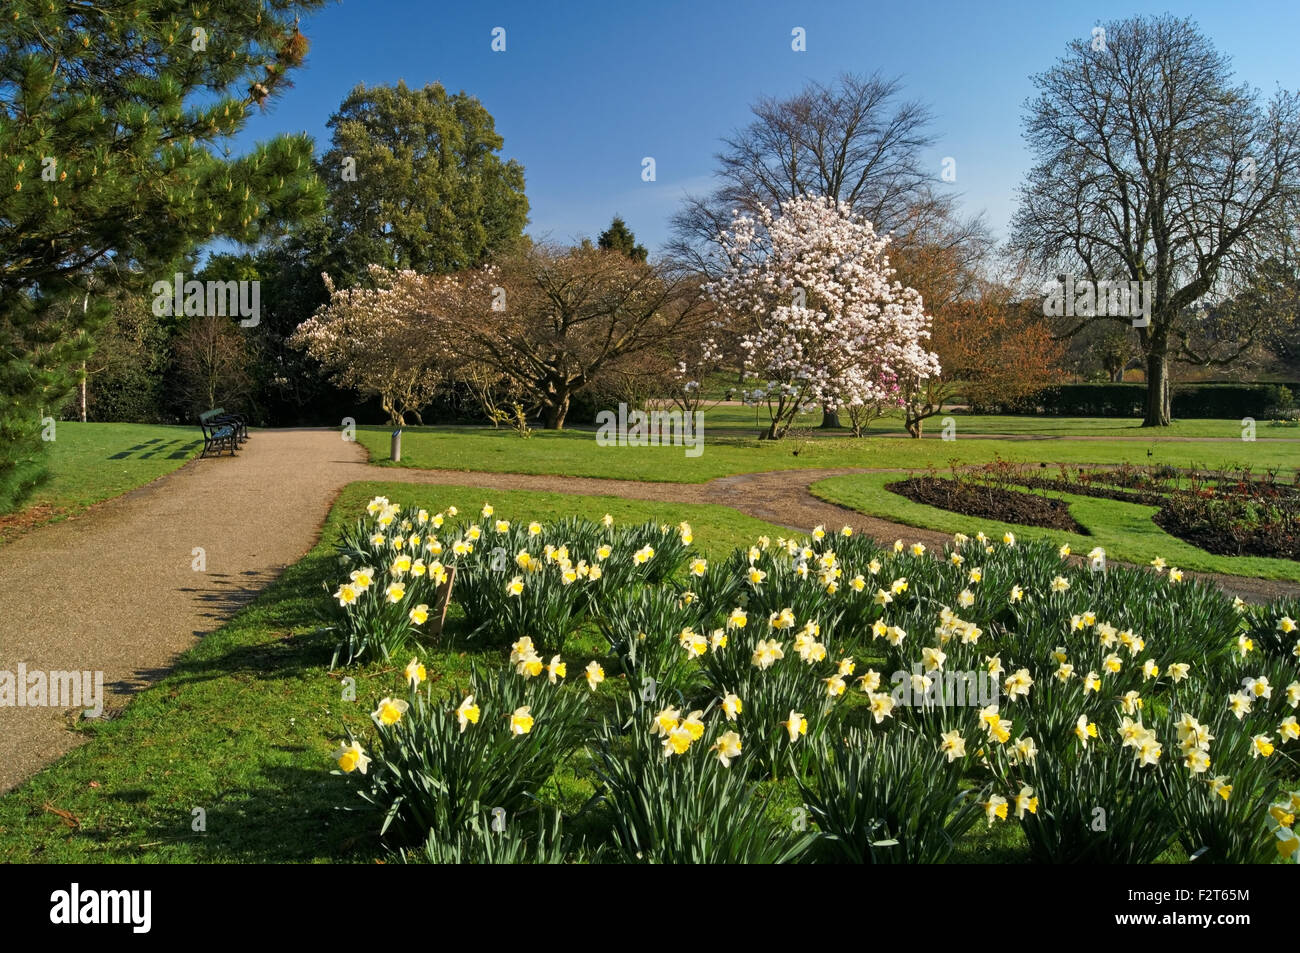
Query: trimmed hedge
1192	400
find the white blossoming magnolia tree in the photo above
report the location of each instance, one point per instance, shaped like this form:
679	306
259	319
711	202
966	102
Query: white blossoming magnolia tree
808	293
386	341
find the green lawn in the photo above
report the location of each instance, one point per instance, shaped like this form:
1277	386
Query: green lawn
750	418
1124	530
93	462
575	453
244	726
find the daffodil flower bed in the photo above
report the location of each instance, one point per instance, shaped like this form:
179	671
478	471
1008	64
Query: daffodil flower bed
1110	714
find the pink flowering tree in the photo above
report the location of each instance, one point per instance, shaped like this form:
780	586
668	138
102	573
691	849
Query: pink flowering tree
808	294
385	341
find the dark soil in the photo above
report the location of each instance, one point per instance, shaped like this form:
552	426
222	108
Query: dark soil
1233	528
970	499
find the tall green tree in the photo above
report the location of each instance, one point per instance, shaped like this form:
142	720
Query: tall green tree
415	180
618	237
111	115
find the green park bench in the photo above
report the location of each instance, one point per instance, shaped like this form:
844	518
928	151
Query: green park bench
222	431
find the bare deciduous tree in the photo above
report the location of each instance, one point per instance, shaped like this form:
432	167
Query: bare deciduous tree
551	321
1152	166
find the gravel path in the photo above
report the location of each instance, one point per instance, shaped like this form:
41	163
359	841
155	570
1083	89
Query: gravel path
116	589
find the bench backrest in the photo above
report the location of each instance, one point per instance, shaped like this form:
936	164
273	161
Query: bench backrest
209	415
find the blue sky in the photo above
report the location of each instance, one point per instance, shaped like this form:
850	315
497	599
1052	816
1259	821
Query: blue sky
584	90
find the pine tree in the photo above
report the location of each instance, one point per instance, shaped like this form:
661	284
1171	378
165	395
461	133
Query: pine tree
109	115
618	237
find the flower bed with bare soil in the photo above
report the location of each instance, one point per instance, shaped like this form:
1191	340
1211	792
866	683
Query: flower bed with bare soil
989	502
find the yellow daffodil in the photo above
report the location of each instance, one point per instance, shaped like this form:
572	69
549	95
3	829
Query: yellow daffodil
995	808
346	595
727	746
881	705
1197	761
666	721
595	674
1261	746
1084	729
555	669
953	745
351	758
1060	584
1026	801
795	725
1017	594
1220	786
1239	703
389	711
361	578
414	672
1289	729
1259	687
515	587
869	681
1025	750
521	722
467	712
731	706
1019	683
766	652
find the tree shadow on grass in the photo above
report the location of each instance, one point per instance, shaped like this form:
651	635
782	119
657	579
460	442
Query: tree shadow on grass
293	815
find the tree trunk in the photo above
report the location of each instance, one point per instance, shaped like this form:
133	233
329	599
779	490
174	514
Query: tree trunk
1157	399
556	412
83	392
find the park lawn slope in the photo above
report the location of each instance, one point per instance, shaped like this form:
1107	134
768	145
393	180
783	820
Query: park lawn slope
90	463
576	453
1124	530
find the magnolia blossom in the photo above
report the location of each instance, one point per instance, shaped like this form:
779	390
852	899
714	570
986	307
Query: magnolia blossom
820	320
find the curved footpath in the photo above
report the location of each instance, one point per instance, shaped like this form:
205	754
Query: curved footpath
116	589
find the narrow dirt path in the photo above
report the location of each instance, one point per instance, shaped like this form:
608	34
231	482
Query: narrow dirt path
119	588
